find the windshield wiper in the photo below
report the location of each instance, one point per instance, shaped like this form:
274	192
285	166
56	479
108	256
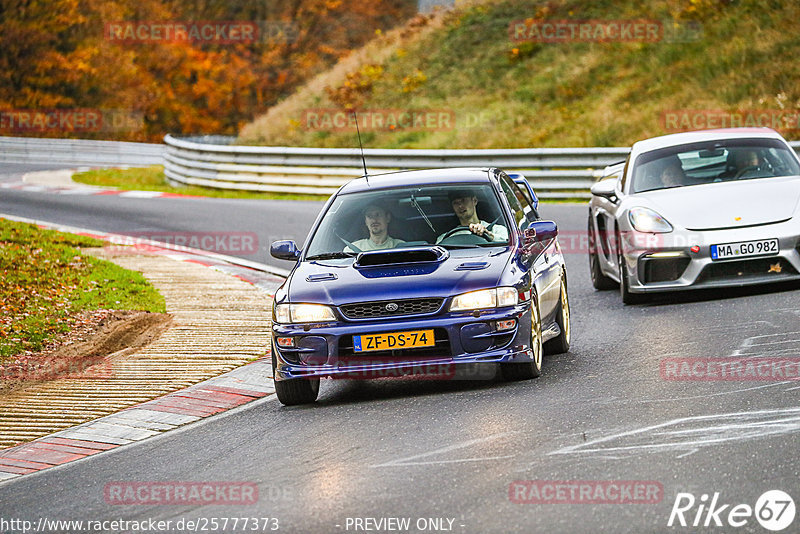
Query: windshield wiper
419	209
457	246
331	256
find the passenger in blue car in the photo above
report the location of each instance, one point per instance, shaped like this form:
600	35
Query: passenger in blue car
464	203
376	219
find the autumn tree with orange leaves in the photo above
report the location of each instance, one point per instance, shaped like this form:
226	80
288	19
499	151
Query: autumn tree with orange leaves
57	55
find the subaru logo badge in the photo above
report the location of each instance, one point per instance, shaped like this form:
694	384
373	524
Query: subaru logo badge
392	307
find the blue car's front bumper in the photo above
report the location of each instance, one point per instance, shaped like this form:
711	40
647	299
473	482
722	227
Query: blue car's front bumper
326	349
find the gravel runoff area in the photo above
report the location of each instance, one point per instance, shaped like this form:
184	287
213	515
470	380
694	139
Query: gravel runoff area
220	322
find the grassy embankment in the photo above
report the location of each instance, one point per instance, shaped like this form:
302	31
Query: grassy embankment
722	55
716	55
45	283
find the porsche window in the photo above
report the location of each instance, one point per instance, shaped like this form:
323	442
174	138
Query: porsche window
703	163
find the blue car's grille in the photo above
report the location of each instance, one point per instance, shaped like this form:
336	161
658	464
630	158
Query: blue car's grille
391	308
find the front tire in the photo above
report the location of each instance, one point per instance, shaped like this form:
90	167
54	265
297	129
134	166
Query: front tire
624	288
527	370
599	280
560	344
295	391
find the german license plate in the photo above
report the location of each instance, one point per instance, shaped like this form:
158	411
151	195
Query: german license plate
744	249
393	341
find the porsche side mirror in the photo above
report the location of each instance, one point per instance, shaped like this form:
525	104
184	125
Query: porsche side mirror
606	189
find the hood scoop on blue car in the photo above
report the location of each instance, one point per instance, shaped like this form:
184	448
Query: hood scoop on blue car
402	256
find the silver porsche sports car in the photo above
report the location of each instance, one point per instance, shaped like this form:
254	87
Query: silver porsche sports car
699	209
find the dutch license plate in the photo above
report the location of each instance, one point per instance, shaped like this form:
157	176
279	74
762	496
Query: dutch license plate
393	340
744	249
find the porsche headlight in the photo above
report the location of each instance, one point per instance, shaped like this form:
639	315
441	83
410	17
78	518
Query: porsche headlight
303	313
485	298
648	221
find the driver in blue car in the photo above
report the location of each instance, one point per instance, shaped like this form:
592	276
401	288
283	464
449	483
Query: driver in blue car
464	203
376	219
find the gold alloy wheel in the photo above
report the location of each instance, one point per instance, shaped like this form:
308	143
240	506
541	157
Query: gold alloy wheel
565	311
536	337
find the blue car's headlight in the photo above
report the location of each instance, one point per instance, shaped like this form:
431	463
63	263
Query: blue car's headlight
303	313
648	221
485	298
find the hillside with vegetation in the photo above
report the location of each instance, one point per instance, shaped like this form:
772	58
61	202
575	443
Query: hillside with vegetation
712	58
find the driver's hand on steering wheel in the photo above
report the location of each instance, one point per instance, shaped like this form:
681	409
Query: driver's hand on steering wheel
479	229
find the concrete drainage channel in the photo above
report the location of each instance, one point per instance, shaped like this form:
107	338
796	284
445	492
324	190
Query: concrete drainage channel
214	358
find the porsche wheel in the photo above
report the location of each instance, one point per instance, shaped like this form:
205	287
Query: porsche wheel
599	280
624	288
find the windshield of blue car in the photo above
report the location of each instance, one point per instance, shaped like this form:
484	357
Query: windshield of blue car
715	162
408	217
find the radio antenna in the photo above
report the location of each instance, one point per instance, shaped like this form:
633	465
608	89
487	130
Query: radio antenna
364	161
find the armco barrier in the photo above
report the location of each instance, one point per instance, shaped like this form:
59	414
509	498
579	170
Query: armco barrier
213	161
79	152
553	172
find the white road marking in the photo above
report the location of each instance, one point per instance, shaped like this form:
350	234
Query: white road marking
691	397
768	343
402	462
140	194
711	429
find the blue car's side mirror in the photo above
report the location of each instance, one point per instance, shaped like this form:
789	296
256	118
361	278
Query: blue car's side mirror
545	230
284	250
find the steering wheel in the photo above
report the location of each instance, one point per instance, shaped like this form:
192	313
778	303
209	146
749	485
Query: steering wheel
462	228
747	169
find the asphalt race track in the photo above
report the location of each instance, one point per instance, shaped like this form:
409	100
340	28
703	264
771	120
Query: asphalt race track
451	451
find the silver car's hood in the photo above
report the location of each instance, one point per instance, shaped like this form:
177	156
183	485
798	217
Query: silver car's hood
728	204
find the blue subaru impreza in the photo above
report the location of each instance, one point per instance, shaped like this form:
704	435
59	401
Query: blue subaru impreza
420	273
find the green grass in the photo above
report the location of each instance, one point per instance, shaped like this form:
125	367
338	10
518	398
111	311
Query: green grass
153	179
46	282
507	94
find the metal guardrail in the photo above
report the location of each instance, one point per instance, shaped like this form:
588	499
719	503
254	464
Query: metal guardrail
79	152
213	161
553	172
